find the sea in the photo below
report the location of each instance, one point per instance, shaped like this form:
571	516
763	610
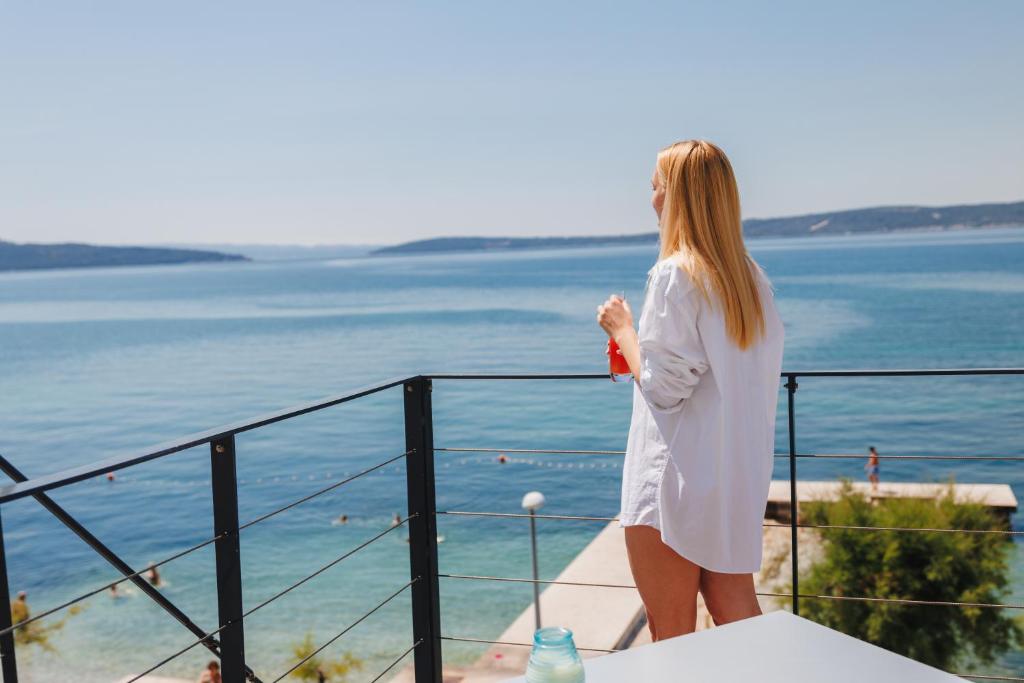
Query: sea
99	363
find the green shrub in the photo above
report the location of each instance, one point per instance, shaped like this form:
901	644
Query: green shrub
336	671
936	566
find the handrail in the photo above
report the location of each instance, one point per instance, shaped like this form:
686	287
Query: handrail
898	372
919	372
421	520
820	456
855	598
77	474
847	527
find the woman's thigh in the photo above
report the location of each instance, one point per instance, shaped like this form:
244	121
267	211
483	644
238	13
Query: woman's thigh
667	582
729	597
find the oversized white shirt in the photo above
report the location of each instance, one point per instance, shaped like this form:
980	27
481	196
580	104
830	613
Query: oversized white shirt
701	442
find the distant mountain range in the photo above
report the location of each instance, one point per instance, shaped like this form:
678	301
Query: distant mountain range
851	222
38	256
286	252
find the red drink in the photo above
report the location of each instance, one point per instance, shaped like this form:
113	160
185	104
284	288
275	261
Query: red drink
618	368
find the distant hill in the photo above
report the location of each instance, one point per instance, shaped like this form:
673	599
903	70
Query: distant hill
286	252
442	244
37	256
889	219
850	222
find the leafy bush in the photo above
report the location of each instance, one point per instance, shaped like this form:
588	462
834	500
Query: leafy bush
36	632
315	667
912	565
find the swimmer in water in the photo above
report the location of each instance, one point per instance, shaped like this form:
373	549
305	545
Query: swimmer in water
153	576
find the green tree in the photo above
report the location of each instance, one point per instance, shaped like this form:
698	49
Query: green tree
335	671
913	565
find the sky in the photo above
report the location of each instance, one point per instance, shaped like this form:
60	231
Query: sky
380	122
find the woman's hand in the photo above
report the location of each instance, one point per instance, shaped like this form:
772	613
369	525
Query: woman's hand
614	316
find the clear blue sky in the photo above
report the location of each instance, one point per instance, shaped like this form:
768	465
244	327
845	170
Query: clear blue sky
378	122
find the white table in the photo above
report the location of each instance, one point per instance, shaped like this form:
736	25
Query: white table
772	648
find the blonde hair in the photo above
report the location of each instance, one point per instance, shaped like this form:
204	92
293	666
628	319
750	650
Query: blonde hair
701	226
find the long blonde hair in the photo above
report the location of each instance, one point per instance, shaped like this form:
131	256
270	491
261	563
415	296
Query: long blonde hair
700	224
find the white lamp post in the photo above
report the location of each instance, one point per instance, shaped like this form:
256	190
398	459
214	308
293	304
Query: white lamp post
533	501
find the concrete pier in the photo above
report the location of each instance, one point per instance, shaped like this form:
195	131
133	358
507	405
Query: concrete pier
605	617
998	497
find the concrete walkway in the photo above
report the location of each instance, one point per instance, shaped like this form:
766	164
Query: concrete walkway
604	617
621	612
611	627
998	497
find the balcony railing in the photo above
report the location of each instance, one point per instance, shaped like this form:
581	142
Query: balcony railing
227	641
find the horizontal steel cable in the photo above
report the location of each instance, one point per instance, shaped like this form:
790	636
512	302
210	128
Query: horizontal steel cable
516	580
505	642
854	456
76	474
850	374
126	577
322	491
765	524
327	566
524	515
1004	532
857	456
898	601
73	475
263	604
527	450
397	660
347	629
905	601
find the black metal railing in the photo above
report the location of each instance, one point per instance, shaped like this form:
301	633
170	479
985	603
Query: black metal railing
227	640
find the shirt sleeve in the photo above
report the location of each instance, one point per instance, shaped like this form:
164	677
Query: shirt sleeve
672	356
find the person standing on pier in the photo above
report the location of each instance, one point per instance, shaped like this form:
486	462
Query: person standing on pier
872	468
706	362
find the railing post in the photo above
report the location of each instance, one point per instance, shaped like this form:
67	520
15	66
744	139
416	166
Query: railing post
791	386
8	663
426	613
229	559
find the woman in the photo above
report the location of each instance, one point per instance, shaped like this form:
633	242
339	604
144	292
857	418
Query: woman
706	361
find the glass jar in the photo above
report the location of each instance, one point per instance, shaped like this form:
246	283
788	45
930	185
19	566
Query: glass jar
554	658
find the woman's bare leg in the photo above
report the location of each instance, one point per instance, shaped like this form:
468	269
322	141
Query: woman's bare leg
667	582
729	597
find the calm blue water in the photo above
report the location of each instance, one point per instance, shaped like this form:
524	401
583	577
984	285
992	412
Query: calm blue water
102	362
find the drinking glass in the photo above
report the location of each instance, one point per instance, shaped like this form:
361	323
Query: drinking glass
554	658
618	368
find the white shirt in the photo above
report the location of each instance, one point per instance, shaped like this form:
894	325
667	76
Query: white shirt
701	442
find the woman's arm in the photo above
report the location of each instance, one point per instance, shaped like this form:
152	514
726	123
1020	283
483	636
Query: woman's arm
669	359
